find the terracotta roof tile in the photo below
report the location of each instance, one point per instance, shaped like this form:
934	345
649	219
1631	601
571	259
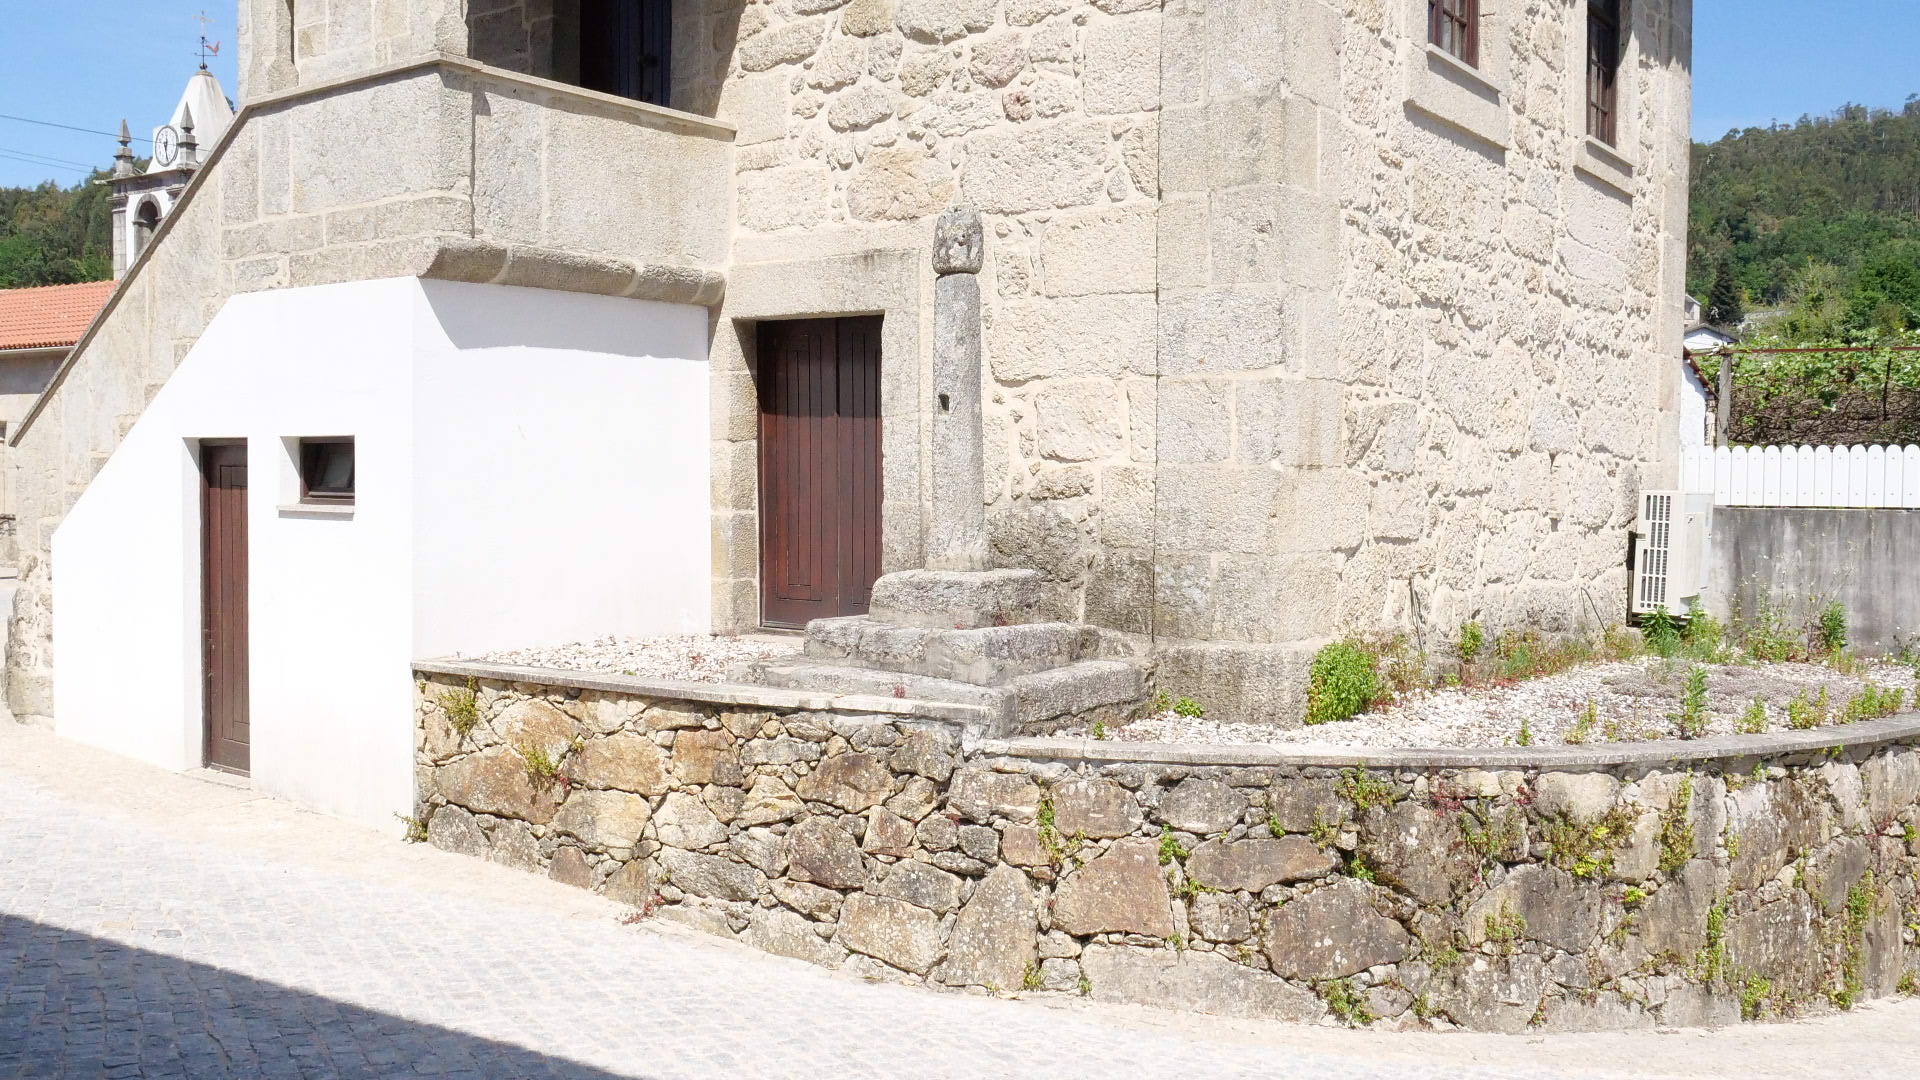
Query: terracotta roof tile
50	316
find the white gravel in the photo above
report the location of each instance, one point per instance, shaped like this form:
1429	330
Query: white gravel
1633	700
689	657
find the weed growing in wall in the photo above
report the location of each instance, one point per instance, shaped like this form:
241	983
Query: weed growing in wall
1346	1003
1676	828
1170	846
462	707
1753	997
1366	791
1506	927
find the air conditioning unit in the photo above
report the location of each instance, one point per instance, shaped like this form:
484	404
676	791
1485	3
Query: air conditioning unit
1670	550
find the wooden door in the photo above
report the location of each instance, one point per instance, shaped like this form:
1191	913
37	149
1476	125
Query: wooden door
223	614
819	468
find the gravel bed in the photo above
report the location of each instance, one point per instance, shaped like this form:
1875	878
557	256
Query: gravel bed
689	657
1632	700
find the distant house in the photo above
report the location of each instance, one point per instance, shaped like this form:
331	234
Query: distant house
1700	335
37	328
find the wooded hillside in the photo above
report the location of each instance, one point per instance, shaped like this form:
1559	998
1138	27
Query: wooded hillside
1821	216
50	235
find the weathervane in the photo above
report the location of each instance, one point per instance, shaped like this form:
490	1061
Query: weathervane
206	48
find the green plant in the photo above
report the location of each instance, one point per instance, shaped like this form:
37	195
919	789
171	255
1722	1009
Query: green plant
1712	960
1733	844
1633	896
1582	729
1162	702
1030	979
1676	827
540	765
416	829
462	707
1768	636
1662	632
1862	900
1704	636
1170	846
1753	997
1873	702
1358	869
1802	714
1506	927
1366	791
1472	639
1187	888
1178	941
1343	682
1909	983
1100	732
1323	832
1754	720
1490	841
1189	708
1347	1004
1586	850
1619	642
1692	717
1830	629
1085	986
1059	849
1525	737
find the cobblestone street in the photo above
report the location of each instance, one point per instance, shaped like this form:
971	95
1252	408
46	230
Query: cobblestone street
155	925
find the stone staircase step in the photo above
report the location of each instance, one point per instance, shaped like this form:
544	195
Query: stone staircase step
986	656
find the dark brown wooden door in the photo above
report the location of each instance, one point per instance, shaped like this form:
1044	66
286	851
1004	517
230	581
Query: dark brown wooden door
819	468
223	577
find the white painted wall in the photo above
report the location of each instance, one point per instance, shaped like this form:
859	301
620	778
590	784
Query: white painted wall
561	442
490	449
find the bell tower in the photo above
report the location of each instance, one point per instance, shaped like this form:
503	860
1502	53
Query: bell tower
142	199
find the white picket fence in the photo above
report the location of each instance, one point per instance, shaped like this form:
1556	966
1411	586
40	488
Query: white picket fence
1841	476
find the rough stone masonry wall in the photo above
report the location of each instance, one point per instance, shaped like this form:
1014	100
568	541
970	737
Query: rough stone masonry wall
1770	876
1267	345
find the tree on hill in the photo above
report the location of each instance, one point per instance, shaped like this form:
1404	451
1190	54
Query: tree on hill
50	235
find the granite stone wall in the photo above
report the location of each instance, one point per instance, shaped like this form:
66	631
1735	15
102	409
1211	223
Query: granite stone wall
1597	889
1292	327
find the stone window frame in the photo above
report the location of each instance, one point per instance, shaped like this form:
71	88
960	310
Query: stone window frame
1446	14
1470	98
891	283
1615	164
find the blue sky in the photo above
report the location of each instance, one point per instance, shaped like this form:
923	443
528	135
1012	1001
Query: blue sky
90	62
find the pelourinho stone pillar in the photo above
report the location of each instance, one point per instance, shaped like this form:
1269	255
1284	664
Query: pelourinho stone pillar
957	529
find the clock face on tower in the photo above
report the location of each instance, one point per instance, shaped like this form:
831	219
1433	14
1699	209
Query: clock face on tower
166	145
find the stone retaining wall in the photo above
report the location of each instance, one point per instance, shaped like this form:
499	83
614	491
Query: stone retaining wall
1670	884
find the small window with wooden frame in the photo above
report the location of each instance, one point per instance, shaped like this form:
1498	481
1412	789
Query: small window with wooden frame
1603	70
326	471
1453	27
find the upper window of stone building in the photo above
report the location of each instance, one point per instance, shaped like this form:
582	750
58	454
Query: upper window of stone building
1603	70
625	48
1454	26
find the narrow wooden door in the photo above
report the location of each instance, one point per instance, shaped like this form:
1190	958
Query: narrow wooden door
819	468
223	617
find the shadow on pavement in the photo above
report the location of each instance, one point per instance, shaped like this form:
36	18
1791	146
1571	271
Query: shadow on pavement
74	1005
